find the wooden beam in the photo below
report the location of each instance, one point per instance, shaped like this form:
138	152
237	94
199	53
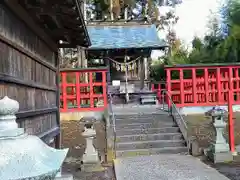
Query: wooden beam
27	53
10	79
59	24
26	114
58	76
64	31
46	136
78	6
49	10
72	45
26	18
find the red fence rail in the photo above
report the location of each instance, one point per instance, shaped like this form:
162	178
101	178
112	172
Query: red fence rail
83	89
204	85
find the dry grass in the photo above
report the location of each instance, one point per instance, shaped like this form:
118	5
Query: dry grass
201	127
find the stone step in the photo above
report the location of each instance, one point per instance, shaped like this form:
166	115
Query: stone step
149	144
145	114
149	137
142	121
149	95
123	132
146	101
145	125
152	151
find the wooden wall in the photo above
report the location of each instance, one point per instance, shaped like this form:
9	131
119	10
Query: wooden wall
28	69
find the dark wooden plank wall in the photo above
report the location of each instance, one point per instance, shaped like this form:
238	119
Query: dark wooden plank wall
28	74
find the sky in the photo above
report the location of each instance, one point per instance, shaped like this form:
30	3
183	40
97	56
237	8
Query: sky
193	16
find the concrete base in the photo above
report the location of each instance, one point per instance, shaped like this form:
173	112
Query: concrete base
64	177
222	157
91	167
219	157
90	158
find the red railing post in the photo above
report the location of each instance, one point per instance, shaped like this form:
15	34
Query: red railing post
91	93
194	85
230	112
182	93
168	72
64	91
206	83
78	93
218	84
152	87
104	82
236	84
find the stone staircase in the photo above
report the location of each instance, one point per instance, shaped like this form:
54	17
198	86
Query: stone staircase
147	131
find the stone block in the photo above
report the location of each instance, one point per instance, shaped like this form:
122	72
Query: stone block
195	148
222	157
64	177
219	157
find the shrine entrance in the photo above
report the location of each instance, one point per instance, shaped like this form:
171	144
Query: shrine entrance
125	49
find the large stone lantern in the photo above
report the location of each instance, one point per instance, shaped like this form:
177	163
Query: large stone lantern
219	149
23	156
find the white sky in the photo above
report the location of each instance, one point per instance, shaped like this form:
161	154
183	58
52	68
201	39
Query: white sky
193	18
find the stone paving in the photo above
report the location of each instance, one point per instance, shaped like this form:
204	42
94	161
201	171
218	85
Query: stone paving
106	174
165	167
230	170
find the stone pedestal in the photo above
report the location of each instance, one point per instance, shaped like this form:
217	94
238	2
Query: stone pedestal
90	154
219	150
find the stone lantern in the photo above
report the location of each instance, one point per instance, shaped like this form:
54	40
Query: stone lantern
91	156
23	156
219	149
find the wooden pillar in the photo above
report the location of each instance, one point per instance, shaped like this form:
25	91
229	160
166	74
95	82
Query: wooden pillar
142	73
139	69
230	112
109	70
146	68
58	137
79	56
126	79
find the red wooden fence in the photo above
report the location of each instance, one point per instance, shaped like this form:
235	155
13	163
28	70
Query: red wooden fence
83	89
204	85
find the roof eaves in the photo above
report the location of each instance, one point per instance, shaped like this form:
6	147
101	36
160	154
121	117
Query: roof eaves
83	22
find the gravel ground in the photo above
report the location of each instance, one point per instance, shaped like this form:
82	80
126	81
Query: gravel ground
201	127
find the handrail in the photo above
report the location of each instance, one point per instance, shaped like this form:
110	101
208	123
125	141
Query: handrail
113	123
174	112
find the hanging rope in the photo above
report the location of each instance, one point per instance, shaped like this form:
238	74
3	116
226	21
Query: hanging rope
122	66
